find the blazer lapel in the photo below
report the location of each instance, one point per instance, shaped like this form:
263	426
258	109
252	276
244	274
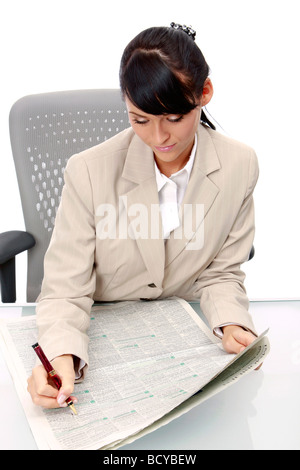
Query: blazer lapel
142	205
200	195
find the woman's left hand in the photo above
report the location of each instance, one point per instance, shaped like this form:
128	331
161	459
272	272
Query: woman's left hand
236	339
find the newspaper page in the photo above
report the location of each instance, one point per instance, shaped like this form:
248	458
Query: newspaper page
148	362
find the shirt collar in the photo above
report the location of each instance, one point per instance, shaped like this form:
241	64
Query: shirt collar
161	178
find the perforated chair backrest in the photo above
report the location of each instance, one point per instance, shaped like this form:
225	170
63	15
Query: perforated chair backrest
45	130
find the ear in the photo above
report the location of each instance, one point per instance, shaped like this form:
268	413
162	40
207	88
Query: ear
208	92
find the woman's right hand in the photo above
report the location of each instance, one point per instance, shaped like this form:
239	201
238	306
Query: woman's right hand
43	393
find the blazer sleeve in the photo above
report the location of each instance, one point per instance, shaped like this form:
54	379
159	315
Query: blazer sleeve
221	290
63	309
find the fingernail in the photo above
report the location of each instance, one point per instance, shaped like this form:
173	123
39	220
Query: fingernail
74	400
61	400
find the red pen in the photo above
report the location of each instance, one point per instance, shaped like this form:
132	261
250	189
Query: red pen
52	373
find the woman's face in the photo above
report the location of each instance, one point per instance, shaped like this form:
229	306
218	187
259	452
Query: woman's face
171	137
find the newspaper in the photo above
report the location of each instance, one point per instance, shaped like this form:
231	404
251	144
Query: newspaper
149	363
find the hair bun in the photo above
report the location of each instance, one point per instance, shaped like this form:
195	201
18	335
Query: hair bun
186	29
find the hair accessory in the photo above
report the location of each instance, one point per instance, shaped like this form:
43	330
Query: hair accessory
186	29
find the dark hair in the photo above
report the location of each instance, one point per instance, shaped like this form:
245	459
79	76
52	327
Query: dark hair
163	72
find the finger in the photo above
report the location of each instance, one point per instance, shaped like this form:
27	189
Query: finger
43	400
231	345
61	400
67	375
40	383
40	400
65	367
243	337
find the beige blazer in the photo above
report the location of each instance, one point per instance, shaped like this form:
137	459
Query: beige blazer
107	246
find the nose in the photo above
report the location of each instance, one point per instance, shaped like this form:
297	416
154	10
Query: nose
161	134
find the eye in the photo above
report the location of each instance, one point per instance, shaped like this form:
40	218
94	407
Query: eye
175	118
137	121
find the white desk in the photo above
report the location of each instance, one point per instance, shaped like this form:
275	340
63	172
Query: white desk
261	411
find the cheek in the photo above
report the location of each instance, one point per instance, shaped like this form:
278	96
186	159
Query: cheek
139	131
187	133
191	130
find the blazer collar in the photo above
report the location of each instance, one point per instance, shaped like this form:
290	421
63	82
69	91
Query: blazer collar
206	156
139	164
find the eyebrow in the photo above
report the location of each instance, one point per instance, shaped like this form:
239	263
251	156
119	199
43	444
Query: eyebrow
136	114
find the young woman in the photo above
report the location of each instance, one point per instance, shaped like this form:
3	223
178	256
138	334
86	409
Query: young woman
164	208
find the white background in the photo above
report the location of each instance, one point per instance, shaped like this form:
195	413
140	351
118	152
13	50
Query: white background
252	47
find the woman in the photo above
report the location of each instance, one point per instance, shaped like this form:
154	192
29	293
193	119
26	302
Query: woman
164	208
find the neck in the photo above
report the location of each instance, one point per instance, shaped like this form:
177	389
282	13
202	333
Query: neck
169	168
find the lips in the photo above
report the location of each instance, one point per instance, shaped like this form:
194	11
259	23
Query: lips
167	148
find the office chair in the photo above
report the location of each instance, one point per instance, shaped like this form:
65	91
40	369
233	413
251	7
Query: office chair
45	130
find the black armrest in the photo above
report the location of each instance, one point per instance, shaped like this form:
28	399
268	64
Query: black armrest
252	252
11	244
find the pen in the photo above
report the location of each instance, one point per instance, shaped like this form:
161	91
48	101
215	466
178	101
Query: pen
52	373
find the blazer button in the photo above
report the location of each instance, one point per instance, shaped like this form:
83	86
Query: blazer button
151	285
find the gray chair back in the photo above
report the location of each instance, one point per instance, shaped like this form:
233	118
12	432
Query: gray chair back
45	130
